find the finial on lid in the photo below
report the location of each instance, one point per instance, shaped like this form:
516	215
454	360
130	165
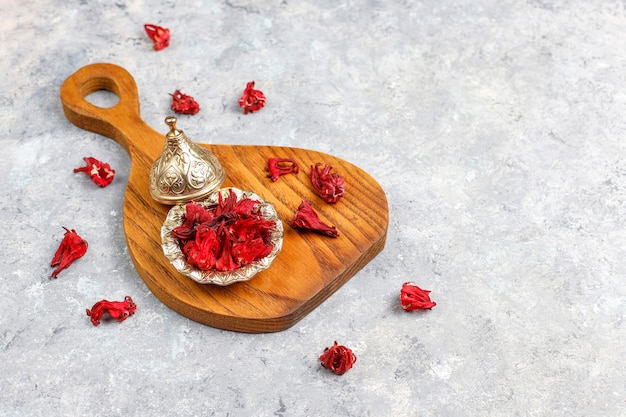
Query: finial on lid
171	122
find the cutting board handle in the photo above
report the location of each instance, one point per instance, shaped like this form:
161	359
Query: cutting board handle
109	121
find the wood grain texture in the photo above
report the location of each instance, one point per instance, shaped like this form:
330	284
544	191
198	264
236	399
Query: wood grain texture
309	268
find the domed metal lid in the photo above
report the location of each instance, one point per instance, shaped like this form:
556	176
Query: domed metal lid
184	171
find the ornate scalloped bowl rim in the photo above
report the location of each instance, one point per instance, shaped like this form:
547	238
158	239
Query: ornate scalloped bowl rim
172	251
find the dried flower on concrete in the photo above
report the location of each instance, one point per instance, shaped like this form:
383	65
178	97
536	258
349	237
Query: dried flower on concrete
413	297
337	358
252	100
100	173
71	248
160	36
184	104
118	310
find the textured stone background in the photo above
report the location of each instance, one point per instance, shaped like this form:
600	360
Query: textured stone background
496	127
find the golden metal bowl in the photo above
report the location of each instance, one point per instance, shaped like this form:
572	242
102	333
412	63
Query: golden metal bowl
173	252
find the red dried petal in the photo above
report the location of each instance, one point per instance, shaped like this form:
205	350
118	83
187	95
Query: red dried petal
160	36
252	100
281	166
71	248
202	252
100	173
330	186
225	261
184	104
194	215
247	228
225	236
306	218
225	205
413	297
118	310
338	359
186	230
249	251
246	207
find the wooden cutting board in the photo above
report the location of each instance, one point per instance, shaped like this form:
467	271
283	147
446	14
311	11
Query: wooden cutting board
309	268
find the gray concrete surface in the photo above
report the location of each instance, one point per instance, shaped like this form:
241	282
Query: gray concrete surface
496	128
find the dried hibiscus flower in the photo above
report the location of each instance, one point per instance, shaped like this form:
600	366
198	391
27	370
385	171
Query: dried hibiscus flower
252	100
226	236
184	104
100	173
118	310
338	359
281	166
413	297
71	248
329	186
160	36
306	218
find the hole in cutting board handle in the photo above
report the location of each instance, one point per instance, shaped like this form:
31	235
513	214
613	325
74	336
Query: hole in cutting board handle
104	99
103	92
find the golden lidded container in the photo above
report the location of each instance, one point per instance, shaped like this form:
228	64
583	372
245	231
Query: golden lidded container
184	171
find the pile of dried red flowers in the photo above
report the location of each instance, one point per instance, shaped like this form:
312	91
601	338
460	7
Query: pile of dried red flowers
226	236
